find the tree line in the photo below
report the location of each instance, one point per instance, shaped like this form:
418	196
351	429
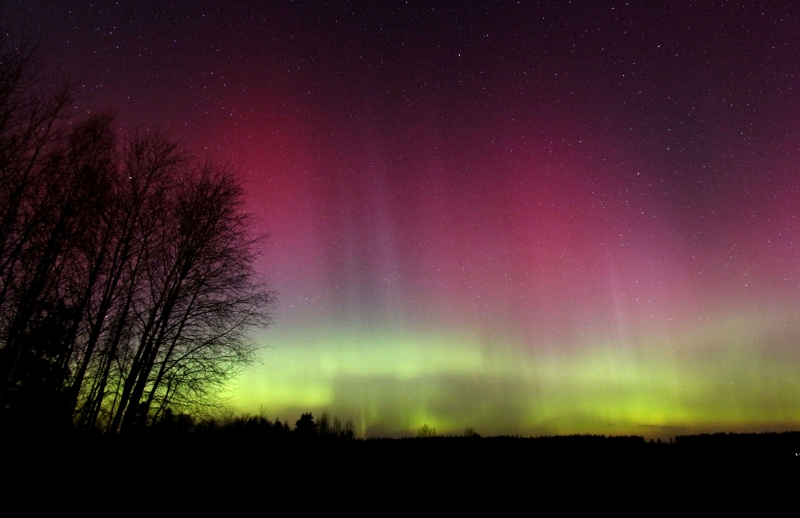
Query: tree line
127	282
259	427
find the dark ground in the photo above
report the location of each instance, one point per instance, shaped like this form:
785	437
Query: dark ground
197	466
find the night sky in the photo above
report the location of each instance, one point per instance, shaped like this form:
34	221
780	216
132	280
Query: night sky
522	217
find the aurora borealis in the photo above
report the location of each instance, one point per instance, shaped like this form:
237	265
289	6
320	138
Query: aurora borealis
526	218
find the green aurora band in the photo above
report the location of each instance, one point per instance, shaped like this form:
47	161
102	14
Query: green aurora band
737	374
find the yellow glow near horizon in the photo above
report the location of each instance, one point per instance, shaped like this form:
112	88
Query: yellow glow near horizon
723	376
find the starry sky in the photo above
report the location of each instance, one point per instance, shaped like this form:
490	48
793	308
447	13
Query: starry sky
522	217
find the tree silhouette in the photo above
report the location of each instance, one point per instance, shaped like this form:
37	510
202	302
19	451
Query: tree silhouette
31	231
127	282
470	432
305	426
426	431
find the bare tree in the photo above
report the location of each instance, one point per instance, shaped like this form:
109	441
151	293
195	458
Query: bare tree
127	281
40	204
426	431
201	298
